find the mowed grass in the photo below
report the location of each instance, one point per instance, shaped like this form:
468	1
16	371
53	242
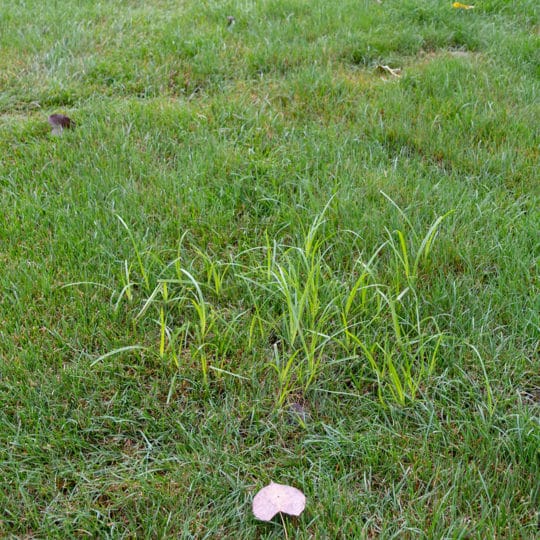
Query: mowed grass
261	257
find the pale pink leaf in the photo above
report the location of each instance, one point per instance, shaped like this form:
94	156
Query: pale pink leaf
276	498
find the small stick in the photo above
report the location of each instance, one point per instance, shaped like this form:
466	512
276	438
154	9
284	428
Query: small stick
284	526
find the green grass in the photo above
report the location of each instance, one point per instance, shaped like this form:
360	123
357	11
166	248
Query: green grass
255	220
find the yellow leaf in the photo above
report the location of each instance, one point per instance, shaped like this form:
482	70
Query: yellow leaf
459	5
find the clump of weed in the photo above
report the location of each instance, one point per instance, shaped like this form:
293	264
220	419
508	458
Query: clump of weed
298	307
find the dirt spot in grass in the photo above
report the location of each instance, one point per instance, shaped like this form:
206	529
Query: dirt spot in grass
357	77
298	98
426	58
460	54
22	123
16	117
531	395
185	83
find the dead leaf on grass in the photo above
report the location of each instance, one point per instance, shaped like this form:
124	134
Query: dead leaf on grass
276	498
298	411
459	5
59	122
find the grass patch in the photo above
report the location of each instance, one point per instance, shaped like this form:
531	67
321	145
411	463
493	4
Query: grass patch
259	258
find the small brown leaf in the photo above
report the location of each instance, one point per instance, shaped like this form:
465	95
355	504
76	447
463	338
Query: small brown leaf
59	122
276	498
299	413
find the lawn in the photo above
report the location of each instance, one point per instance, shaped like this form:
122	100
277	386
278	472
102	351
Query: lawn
288	240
